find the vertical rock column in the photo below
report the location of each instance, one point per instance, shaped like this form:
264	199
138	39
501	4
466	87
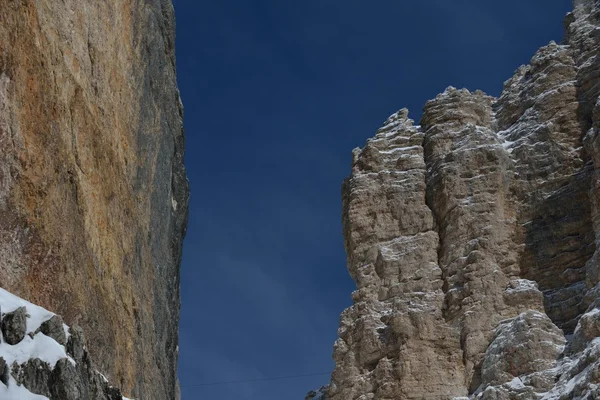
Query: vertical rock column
394	341
468	181
582	35
537	117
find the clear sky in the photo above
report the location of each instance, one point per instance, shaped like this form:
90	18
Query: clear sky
276	94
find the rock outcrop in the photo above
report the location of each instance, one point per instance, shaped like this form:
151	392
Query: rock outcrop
93	191
474	240
41	358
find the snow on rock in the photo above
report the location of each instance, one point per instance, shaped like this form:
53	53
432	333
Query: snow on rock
318	395
443	221
37	315
519	285
15	392
35	366
539	343
40	346
516	384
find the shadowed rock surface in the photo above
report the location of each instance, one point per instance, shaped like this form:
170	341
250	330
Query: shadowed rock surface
473	239
93	191
14	326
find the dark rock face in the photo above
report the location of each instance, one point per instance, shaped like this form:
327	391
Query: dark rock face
93	189
474	240
64	382
54	328
35	375
113	393
14	326
76	343
4	371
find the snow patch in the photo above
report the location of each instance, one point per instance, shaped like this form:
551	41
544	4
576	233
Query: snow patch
516	384
33	346
507	145
37	315
16	392
397	149
40	346
522	285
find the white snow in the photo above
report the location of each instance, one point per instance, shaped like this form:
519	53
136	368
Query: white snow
521	285
16	392
392	132
37	315
397	149
593	312
41	346
386	172
516	383
507	144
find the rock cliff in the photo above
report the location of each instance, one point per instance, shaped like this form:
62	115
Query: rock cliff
93	191
474	240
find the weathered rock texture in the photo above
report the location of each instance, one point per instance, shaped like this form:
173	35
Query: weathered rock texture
474	240
93	193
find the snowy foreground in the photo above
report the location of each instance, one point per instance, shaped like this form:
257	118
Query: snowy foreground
34	345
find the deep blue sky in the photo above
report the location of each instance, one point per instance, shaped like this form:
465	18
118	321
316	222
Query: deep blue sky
277	93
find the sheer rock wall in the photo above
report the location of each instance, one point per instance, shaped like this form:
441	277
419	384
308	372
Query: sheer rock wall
93	192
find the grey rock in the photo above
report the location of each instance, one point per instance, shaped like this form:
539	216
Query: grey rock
587	330
113	393
4	371
76	343
35	376
65	382
14	326
521	346
54	328
317	395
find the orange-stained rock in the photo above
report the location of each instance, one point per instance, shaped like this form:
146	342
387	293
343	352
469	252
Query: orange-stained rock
93	192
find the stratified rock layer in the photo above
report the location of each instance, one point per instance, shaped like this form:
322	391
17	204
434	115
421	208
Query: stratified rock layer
474	237
93	193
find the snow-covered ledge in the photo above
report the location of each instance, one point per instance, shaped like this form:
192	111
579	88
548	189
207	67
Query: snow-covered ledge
41	358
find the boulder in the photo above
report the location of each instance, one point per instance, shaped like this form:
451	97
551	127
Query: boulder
14	326
54	328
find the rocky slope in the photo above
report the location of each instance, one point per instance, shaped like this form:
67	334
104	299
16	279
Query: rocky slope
93	192
473	239
41	358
